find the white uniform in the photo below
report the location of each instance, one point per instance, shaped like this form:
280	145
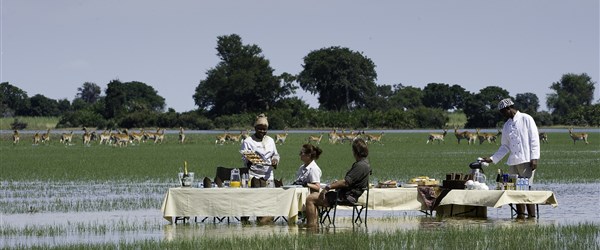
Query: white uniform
267	150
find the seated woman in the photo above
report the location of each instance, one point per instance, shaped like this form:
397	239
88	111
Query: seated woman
309	173
348	190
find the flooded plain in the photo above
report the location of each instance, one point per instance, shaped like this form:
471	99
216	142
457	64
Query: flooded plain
54	214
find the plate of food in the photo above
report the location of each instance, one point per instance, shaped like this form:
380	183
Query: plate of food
253	157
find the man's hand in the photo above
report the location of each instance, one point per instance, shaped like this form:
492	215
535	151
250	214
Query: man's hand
534	164
274	162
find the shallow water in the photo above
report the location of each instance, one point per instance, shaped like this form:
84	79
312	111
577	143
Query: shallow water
57	214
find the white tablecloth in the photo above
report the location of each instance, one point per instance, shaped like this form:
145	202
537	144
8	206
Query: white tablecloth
498	198
221	202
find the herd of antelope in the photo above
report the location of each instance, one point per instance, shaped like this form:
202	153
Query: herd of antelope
122	138
471	138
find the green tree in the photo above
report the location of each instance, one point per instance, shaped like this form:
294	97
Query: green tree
89	92
13	100
527	102
444	96
481	109
242	81
43	106
571	92
125	98
343	79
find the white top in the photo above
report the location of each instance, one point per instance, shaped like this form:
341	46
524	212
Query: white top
309	174
520	137
267	150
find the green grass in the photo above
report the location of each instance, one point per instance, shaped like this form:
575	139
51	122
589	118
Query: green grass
33	123
583	236
403	156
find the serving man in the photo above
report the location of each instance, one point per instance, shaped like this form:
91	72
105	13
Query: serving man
520	138
264	146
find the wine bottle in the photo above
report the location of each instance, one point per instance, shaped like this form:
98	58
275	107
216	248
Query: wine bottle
499	184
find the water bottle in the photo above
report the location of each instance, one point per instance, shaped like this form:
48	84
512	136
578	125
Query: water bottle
526	184
244	180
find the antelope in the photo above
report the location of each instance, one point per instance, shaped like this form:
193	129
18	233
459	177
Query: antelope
316	139
234	138
160	136
351	136
87	137
105	137
66	138
333	136
543	137
487	137
46	136
437	137
462	135
137	136
281	138
151	136
245	134
36	138
121	139
374	138
578	137
221	139
181	135
16	137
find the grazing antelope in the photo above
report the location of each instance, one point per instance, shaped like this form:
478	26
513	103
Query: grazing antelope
578	137
374	138
234	138
181	135
280	138
316	139
487	137
66	138
36	138
437	137
543	137
46	136
221	139
16	137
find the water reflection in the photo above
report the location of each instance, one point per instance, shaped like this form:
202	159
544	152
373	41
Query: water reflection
34	215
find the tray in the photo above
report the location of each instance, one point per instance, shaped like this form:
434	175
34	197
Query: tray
253	157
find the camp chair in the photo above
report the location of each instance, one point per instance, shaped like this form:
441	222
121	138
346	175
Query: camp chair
357	208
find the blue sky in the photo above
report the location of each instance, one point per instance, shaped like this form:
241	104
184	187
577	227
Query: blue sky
53	47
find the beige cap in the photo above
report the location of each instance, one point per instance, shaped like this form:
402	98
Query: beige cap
261	120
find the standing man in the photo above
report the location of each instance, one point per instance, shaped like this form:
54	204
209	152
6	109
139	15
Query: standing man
264	146
520	138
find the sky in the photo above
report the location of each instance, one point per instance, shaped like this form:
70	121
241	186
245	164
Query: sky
53	47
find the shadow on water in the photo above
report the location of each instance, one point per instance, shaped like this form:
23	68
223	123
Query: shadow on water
34	215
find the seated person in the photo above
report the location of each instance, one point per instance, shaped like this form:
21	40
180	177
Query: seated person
309	173
348	190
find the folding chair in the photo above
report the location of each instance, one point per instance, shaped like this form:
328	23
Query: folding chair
357	208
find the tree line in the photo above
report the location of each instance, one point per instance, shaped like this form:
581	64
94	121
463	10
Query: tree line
243	84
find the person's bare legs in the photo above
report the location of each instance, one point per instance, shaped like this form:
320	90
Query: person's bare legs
520	211
531	211
312	201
